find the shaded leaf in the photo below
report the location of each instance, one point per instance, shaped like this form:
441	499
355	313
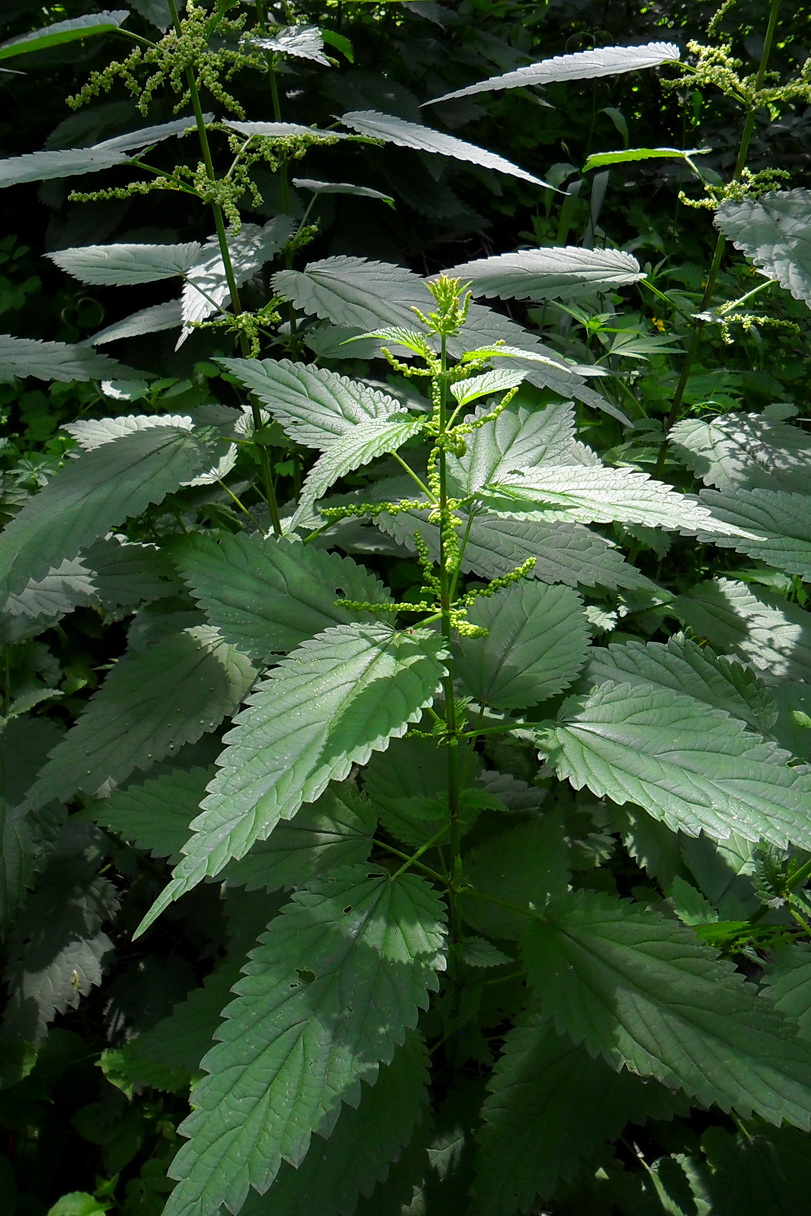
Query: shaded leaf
641	990
24	743
146	321
773	233
329	994
780	520
63	31
523	866
155	815
308	183
369	681
746	450
548	274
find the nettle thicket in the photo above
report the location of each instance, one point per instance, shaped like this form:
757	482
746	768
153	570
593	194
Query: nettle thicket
497	876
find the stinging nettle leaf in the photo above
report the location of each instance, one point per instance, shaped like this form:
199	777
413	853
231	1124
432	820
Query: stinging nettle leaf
548	274
91	494
329	705
267	595
23	743
746	450
773	233
150	705
393	130
355	449
64	31
150	320
317	187
599	160
298	1040
645	993
683	760
582	65
300	41
121	265
780	520
20	357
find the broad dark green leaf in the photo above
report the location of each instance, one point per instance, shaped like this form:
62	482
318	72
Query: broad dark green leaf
150	705
582	65
523	866
329	705
683	760
645	993
788	980
329	994
757	1170
63	31
24	743
360	1148
91	494
766	631
550	1107
780	520
155	814
267	595
773	233
746	450
537	643
548	274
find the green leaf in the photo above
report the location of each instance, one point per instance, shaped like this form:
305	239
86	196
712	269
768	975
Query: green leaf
155	814
641	990
355	449
56	948
67	162
357	1154
765	631
598	494
524	866
537	644
780	520
268	595
43	601
773	233
682	760
548	274
308	183
207	288
788	980
393	130
684	667
23	743
599	160
757	1170
314	407
550	1107
150	705
20	357
94	492
496	381
582	65
329	705
745	450
329	994
120	265
80	1203
300	41
146	321
63	31
354	291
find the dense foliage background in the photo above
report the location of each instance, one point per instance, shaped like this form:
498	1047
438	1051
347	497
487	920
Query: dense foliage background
104	1032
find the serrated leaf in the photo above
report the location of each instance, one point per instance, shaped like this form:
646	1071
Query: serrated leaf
523	867
496	381
207	288
91	494
313	406
599	160
788	980
641	990
765	1170
43	601
56	948
745	450
268	595
362	1144
765	631
393	130
67	162
564	553
21	357
682	760
329	994
121	265
318	187
368	683
355	449
684	667
24	743
550	1107
156	11
63	31
354	291
582	65
780	520
538	641
155	814
548	274
478	952
282	130
126	573
150	705
300	41
773	233
146	321
599	494
407	787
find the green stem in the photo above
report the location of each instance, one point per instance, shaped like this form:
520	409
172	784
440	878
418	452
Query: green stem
411	861
720	244
230	277
284	184
407	467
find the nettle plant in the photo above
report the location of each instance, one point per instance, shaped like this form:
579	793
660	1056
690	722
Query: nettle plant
495	880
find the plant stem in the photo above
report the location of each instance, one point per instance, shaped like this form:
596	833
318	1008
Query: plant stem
720	244
230	277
